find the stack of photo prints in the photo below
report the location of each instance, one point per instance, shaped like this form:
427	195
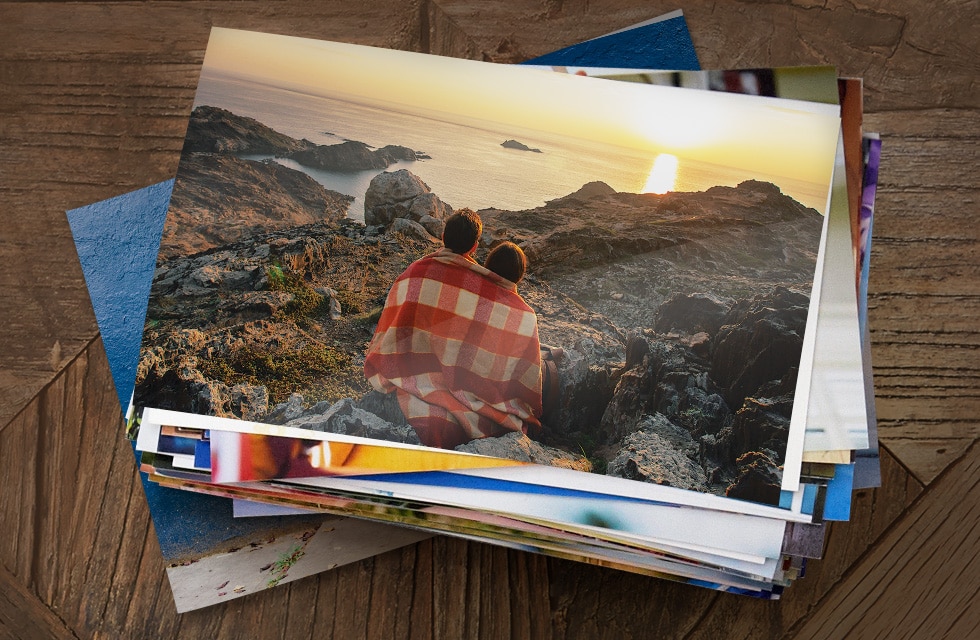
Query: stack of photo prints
582	307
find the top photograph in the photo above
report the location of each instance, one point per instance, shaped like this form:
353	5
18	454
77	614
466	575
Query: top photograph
605	276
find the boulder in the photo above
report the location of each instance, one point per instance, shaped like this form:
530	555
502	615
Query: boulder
383	405
396	186
670	379
700	411
434	226
429	205
762	423
715	456
649	457
345	417
286	411
759	479
248	401
336	312
517	446
631	398
675	434
402	194
585	386
412	228
691	314
760	342
186	389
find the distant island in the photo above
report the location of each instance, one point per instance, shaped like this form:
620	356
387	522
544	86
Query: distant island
520	146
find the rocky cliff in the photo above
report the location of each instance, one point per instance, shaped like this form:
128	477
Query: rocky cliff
220	197
681	317
215	130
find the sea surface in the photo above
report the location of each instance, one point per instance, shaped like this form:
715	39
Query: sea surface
468	165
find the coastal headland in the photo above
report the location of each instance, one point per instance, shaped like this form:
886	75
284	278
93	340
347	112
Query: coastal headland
681	315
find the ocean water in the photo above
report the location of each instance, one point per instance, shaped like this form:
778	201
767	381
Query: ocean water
468	165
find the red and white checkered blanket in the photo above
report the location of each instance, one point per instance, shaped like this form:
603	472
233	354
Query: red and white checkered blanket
460	346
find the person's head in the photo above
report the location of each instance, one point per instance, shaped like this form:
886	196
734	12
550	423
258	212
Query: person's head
507	260
462	231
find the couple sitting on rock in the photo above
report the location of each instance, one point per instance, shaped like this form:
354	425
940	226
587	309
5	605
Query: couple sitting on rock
458	345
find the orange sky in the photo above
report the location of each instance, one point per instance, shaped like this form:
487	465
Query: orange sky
773	137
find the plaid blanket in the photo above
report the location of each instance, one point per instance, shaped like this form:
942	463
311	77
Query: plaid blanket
460	347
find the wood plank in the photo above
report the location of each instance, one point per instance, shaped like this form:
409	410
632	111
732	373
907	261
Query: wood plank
421	620
924	430
620	582
593	602
942	530
48	527
22	615
926	458
265	615
95	102
302	611
108	537
385	596
513	31
910	55
152	614
923	312
873	512
124	578
19	503
927	123
924	297
98	437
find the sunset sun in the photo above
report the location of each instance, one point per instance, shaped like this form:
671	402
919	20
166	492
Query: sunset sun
662	175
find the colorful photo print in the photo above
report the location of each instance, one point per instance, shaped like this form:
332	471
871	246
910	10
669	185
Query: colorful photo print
490	259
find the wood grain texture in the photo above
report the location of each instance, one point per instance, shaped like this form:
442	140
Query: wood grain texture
94	98
88	554
925	288
873	512
939	532
22	615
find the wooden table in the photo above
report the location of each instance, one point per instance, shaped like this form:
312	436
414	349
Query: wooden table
94	99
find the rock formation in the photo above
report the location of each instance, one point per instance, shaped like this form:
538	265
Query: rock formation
589	190
345	417
760	342
219	131
350	156
519	146
517	446
694	313
219	199
660	452
681	317
403	195
214	130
